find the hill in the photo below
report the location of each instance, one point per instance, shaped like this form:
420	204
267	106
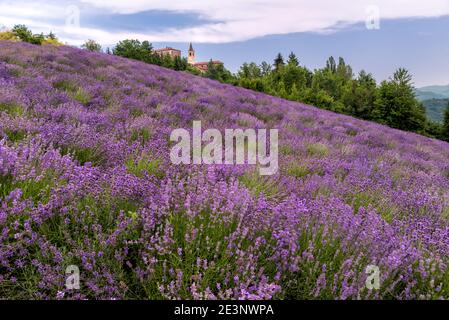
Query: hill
435	109
86	184
432	92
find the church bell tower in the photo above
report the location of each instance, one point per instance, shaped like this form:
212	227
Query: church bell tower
191	57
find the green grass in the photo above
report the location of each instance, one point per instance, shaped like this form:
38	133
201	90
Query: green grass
297	171
74	91
372	200
287	150
258	184
317	149
37	190
84	155
141	135
15	135
82	96
12	108
144	166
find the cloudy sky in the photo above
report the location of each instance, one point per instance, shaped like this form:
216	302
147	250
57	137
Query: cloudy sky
376	35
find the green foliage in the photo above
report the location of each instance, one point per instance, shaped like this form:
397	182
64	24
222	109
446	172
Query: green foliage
15	135
317	149
435	109
134	49
11	108
297	171
8	36
24	34
278	62
335	88
217	72
143	51
92	45
445	130
396	104
82	96
38	190
141	135
83	154
145	165
74	91
258	184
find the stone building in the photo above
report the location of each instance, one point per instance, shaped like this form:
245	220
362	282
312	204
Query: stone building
168	51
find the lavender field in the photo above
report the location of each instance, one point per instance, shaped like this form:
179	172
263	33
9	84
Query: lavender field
86	180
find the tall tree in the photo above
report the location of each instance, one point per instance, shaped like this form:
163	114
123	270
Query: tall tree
278	61
331	65
92	45
134	49
292	60
396	104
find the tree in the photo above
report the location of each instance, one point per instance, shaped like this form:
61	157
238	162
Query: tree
23	33
265	68
278	62
396	104
51	36
250	70
218	72
134	49
180	64
92	45
445	130
331	65
359	95
292	60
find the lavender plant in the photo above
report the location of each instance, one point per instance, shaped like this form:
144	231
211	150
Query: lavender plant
86	180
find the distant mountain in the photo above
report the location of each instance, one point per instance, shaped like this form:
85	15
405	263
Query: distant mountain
435	108
435	99
432	92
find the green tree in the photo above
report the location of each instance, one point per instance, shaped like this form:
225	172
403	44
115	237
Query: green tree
359	95
331	65
23	33
250	70
51	36
396	104
445	130
292	60
218	72
278	62
92	45
180	64
134	49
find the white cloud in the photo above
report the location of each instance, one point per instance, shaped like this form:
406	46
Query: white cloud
230	20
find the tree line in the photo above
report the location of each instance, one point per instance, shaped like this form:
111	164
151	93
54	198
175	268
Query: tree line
335	87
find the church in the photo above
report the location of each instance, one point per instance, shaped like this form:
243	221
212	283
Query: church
201	66
173	53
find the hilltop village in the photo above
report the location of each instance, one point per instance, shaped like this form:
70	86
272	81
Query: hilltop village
173	53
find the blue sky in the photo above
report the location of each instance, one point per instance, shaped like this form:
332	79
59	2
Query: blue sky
376	35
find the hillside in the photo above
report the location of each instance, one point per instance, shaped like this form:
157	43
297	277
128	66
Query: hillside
86	180
432	92
435	109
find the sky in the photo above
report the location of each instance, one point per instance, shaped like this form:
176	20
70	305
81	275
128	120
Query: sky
376	35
